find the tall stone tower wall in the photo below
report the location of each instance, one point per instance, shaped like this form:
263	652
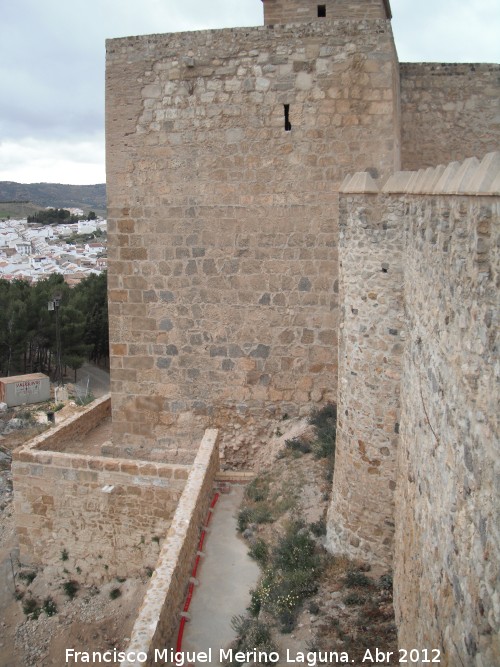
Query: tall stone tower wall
225	150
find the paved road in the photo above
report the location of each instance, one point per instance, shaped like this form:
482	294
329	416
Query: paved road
226	576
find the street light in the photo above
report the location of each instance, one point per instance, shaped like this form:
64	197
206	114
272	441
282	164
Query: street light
54	305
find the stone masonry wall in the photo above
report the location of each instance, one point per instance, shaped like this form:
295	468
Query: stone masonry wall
291	11
448	112
73	502
372	334
160	611
440	230
447	546
76	427
222	220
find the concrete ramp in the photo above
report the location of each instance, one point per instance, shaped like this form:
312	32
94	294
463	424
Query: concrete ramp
226	574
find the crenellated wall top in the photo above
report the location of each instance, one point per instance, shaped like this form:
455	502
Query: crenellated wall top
470	177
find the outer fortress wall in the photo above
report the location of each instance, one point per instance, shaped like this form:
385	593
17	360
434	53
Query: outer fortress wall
447	543
448	112
224	153
438	230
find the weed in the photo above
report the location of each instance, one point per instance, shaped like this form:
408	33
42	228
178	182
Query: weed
26	416
71	588
325	426
252	635
27	577
259	552
84	400
296	549
298	445
243	519
64	555
31	608
385	582
314	608
49	606
149	571
255	603
356	579
260	513
258	489
155	539
78	569
114	593
352	599
287	619
318	528
121	579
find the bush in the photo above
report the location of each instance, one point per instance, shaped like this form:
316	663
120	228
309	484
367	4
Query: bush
259	551
71	588
258	489
251	635
356	579
49	606
114	593
318	528
27	577
385	582
31	608
260	513
296	550
244	518
354	599
298	445
325	426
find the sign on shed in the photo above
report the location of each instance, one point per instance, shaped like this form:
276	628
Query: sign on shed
24	389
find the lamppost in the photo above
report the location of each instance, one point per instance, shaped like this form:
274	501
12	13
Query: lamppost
54	305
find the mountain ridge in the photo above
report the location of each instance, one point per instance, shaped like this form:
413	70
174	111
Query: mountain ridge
58	195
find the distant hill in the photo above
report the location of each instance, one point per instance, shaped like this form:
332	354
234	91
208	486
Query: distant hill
86	197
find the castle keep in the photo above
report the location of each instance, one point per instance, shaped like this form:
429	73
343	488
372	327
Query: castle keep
294	218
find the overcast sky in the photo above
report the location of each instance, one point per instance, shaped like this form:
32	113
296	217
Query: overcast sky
52	59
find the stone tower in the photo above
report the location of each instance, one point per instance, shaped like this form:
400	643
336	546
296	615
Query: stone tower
225	151
293	11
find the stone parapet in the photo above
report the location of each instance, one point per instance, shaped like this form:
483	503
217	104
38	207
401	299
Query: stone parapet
160	611
71	502
74	427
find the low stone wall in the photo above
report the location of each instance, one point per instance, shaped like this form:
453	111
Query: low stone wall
74	427
160	612
107	514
